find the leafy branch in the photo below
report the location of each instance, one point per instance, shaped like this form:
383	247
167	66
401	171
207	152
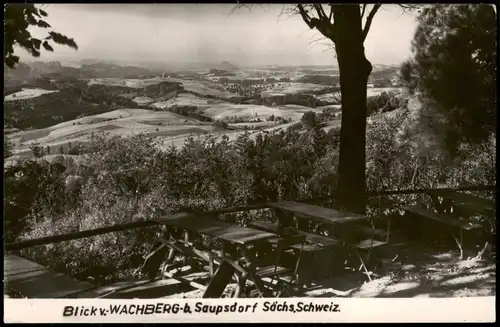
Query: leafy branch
18	19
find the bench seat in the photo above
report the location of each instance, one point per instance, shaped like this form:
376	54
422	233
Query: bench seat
319	240
369	243
368	231
33	280
443	218
269	271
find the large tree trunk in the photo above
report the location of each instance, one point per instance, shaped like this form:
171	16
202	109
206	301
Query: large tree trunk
354	71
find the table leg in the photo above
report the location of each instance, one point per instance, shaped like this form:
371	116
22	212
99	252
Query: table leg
211	266
302	223
240	287
186	242
447	206
459	243
250	259
154	260
363	265
284	218
218	284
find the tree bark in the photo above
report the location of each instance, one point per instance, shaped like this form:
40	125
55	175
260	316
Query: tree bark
354	70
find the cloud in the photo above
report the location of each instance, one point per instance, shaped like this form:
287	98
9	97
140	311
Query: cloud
209	32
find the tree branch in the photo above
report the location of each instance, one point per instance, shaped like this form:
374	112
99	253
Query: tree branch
320	11
369	20
363	11
305	16
410	7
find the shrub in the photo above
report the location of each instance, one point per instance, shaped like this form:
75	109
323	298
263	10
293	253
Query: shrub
220	124
36	149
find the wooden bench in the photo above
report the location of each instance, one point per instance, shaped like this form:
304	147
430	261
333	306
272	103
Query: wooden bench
442	218
446	220
370	232
317	258
36	281
369	244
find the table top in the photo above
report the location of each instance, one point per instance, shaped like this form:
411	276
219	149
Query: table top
319	214
468	200
208	226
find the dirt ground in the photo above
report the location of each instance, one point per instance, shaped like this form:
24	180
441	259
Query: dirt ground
414	272
405	272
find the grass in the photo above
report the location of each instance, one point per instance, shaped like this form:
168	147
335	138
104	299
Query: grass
203	88
27	94
292	88
376	91
118	122
185	99
143	100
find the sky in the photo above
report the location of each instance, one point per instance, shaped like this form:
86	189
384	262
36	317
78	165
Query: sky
203	33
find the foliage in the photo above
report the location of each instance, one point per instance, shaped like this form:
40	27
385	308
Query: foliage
36	149
18	19
220	124
454	69
7	147
31	191
385	102
308	120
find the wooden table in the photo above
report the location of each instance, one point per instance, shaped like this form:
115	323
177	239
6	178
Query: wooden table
316	213
331	217
242	237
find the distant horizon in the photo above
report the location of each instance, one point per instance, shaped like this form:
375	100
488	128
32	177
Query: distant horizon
172	65
189	34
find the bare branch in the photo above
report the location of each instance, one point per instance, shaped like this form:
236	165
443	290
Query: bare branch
320	11
331	13
409	7
288	10
363	11
240	6
305	16
316	42
369	20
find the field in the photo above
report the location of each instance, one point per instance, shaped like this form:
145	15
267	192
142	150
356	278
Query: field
292	88
168	127
27	94
224	111
376	91
185	100
200	97
132	83
142	101
119	122
203	88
